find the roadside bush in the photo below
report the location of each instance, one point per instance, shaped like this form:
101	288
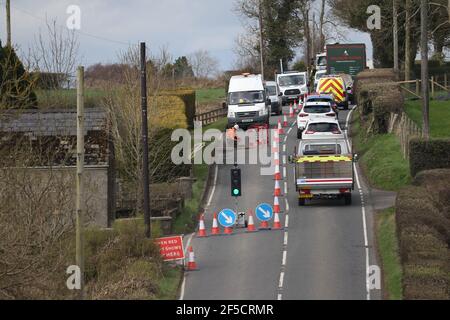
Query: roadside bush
427	155
188	97
436	182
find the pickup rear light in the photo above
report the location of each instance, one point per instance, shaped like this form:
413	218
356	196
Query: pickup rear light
331	114
305	191
302	115
344	190
310	132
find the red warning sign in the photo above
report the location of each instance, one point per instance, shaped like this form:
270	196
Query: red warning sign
171	248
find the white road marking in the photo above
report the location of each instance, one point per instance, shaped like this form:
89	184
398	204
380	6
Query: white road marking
280	297
285	188
213	188
280	285
286	236
286	223
284	172
284	258
183	285
364	219
287	206
284	148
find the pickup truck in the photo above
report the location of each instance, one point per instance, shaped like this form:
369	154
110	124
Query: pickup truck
324	170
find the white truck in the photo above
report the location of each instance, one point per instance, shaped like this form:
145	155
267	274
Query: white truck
247	101
324	170
293	85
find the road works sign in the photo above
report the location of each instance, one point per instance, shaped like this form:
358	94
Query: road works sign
264	212
227	218
171	248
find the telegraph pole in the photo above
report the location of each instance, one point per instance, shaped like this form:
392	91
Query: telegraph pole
261	40
408	40
424	68
8	23
145	169
395	32
79	179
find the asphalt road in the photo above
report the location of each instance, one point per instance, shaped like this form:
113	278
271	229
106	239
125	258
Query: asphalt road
323	253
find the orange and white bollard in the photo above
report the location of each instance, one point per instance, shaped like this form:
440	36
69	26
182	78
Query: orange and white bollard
251	223
192	265
201	227
215	231
277	191
276	205
277	175
276	222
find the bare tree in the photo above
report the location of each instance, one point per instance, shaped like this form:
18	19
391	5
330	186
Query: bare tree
55	50
203	64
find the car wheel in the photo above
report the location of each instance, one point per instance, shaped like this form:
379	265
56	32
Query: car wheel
301	202
299	134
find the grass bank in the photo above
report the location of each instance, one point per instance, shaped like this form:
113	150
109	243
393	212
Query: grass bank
439	116
380	158
387	244
205	96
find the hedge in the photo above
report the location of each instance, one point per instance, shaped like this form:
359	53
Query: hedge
168	112
427	155
189	98
423	230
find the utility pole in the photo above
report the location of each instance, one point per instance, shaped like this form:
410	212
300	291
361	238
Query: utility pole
79	178
8	23
281	66
424	68
261	40
313	40
395	32
145	169
408	40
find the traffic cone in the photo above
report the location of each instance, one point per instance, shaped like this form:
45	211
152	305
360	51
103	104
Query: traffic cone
215	231
228	231
251	223
291	112
276	205
285	121
280	128
275	147
277	173
276	158
277	192
276	136
277	223
201	228
192	265
264	225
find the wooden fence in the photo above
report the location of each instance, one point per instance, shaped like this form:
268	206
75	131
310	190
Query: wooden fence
211	116
405	129
438	83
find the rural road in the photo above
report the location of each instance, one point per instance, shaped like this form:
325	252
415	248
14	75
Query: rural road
324	252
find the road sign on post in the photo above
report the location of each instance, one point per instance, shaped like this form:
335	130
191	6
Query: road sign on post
236	182
264	212
227	218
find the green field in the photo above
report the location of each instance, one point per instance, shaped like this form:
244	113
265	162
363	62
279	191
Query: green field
388	248
439	116
67	98
205	96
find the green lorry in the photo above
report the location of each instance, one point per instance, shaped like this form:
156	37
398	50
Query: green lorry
346	58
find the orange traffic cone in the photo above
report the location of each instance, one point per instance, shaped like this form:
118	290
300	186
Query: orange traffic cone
277	192
285	121
277	223
275	147
215	231
276	205
192	265
280	128
276	158
277	173
228	231
264	225
201	227
251	223
276	136
291	112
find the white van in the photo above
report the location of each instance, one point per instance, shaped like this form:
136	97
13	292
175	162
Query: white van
247	101
273	93
293	85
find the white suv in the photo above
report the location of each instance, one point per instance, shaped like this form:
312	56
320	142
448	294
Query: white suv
313	111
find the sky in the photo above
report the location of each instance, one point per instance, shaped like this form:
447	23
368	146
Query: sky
111	26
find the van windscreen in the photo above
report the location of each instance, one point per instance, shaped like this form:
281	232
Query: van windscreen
293	80
246	97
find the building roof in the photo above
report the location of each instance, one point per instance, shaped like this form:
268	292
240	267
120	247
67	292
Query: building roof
51	123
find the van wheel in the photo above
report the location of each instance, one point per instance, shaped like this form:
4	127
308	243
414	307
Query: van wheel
301	202
346	105
348	199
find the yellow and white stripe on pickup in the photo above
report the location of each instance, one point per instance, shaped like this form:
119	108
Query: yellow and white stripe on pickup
308	159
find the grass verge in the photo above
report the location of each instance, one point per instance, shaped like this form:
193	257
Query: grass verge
205	96
380	158
439	116
389	255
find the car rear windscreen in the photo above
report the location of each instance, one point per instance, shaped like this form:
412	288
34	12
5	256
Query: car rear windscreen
317	109
323	127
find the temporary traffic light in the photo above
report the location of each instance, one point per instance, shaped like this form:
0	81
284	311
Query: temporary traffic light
236	184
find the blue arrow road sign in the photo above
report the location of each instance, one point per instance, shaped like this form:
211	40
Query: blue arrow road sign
264	212
227	218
